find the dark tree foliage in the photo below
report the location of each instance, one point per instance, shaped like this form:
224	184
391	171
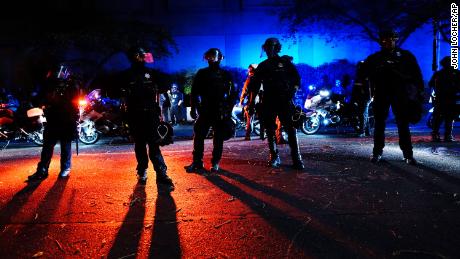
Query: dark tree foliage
369	16
45	32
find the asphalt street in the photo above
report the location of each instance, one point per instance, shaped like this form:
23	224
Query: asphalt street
340	206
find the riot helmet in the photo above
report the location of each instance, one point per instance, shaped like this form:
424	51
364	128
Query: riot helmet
388	38
213	55
272	47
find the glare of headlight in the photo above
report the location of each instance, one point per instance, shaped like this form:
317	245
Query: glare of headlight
325	122
82	102
311	87
324	93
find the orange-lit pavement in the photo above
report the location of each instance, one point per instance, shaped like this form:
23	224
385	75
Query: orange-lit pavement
340	206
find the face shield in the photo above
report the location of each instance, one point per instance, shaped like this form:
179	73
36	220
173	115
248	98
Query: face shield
388	39
63	72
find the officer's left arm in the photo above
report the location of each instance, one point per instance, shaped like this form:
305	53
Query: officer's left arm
233	94
416	73
295	79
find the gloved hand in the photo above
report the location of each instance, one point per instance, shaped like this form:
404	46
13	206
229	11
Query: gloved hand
193	113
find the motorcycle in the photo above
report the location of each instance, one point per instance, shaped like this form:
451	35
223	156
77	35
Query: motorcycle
97	117
240	120
13	127
324	110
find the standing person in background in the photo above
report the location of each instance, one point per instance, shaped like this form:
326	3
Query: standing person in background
446	85
176	99
248	113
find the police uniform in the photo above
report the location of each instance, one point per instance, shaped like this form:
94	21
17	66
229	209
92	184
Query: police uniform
394	76
141	89
213	95
58	96
446	84
280	80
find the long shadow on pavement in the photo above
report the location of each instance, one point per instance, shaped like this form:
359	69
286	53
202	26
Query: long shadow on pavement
50	202
311	238
18	201
34	234
403	171
450	178
127	240
165	235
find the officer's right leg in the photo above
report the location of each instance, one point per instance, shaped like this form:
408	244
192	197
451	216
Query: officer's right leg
436	124
140	150
448	125
381	110
49	141
269	118
200	130
249	119
405	142
159	165
218	146
286	120
66	157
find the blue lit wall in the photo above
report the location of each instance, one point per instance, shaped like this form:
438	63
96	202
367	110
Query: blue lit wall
241	43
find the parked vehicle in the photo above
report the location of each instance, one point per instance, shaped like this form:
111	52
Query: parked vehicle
100	116
323	110
17	126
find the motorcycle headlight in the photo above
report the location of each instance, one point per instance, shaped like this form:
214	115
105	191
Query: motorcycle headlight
324	93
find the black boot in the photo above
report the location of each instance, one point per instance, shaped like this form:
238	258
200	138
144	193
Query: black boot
39	175
275	160
295	151
194	167
409	157
142	176
435	137
163	178
448	131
